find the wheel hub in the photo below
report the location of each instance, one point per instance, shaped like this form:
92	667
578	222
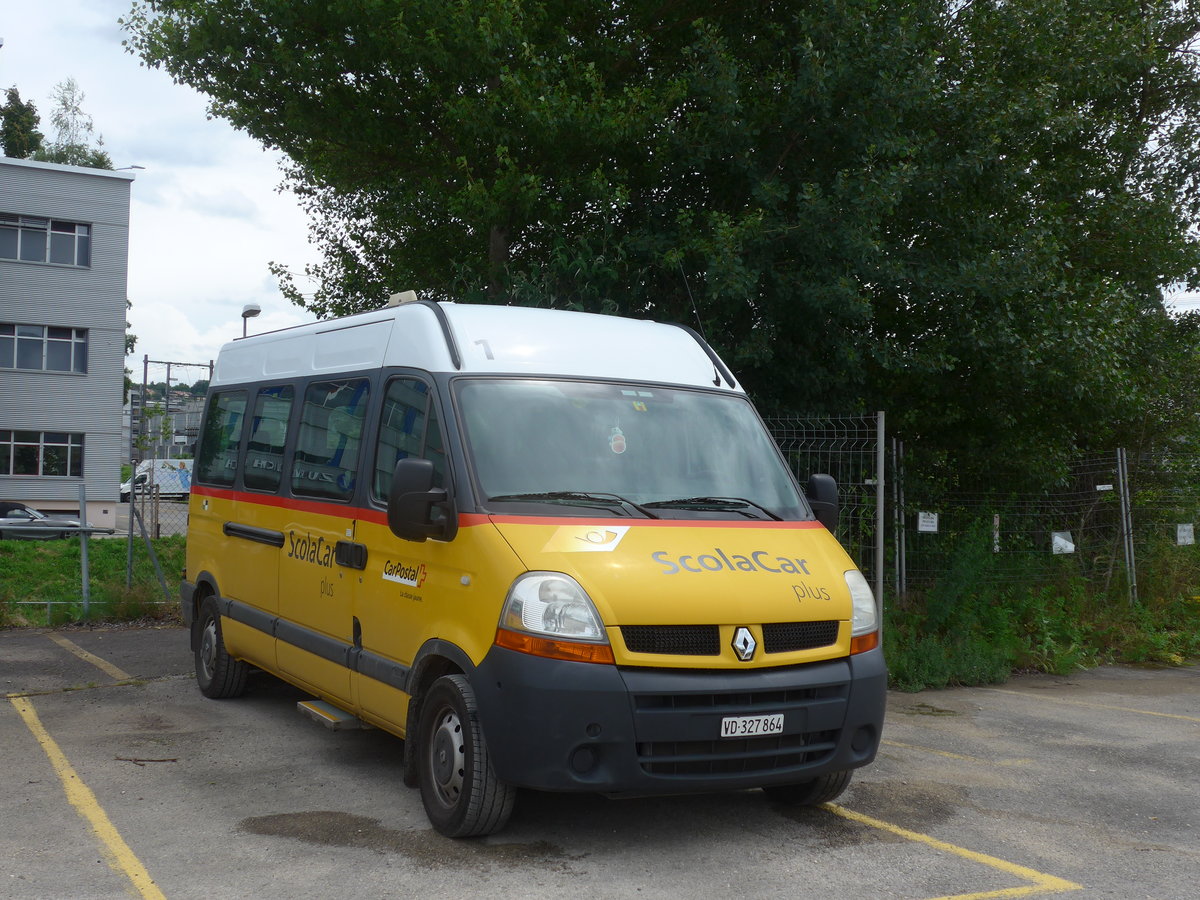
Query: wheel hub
447	758
208	648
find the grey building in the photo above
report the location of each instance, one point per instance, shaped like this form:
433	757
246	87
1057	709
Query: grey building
64	254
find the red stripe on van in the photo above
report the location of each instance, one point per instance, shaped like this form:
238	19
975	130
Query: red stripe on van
466	520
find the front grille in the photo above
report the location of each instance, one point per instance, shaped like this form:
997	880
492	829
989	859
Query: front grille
705	640
788	637
735	757
677	731
745	703
679	640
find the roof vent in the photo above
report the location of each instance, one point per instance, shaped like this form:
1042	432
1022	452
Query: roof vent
402	297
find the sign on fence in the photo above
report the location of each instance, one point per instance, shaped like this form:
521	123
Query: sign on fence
1062	542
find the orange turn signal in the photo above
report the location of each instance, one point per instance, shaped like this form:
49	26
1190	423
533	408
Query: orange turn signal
864	642
553	649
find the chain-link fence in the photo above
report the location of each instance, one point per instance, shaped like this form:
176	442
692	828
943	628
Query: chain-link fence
1115	519
1112	516
850	448
1082	520
164	422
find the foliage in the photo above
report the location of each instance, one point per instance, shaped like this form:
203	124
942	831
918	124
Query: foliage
73	131
130	338
158	389
41	582
965	213
19	135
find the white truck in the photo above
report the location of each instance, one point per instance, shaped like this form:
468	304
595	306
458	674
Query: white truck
170	477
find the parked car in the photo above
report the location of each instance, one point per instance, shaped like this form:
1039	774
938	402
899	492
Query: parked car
33	525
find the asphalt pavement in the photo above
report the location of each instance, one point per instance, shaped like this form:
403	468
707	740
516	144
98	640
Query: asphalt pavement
121	780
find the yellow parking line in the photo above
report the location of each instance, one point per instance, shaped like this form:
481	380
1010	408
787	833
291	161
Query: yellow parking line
948	755
1041	883
1084	703
121	858
102	664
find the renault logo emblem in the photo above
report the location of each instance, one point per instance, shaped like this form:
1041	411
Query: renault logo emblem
744	644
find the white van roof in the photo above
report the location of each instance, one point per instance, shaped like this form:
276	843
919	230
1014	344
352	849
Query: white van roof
450	337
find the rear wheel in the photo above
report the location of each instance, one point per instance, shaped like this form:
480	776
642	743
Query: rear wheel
822	789
462	796
218	674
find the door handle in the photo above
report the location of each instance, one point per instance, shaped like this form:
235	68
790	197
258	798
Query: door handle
351	555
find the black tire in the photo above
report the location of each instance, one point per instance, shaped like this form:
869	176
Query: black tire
218	674
462	796
823	789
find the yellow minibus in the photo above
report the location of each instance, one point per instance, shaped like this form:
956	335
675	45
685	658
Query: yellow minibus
547	549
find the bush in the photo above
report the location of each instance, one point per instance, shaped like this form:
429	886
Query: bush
978	625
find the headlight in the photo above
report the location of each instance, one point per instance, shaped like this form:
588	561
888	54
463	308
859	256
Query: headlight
865	618
553	605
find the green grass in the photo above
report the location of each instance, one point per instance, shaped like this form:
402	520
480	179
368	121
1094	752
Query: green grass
41	582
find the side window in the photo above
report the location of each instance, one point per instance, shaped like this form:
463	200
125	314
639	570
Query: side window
409	427
329	439
268	435
217	460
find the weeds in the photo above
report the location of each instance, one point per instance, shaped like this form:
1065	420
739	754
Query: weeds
977	625
40	582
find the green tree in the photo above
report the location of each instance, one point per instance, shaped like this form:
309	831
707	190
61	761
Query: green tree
19	135
72	144
964	213
1053	205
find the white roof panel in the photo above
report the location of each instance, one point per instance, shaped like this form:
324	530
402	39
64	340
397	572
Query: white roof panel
491	339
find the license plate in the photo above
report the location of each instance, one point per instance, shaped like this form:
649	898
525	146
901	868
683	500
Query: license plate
751	726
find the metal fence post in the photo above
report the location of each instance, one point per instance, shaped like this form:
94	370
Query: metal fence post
901	536
880	463
1127	523
83	551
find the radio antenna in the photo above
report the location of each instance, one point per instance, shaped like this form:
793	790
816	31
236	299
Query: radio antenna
695	312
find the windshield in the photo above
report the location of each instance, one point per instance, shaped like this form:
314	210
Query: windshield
624	449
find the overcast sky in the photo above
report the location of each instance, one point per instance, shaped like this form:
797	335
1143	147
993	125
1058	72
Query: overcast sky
206	217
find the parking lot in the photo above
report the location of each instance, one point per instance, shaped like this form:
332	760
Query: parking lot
121	780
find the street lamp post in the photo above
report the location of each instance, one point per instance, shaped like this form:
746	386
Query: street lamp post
249	311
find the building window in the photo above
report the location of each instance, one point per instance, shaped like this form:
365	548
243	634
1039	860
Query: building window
31	239
43	348
41	453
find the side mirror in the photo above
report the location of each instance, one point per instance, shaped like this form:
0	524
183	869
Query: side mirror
417	510
822	494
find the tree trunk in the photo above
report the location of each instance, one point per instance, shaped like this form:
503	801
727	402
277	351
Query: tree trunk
497	260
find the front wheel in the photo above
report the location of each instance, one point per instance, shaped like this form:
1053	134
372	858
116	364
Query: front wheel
462	796
822	789
218	674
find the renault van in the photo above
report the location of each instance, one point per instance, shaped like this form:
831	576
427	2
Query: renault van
547	549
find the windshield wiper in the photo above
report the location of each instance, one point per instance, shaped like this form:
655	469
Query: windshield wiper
575	496
737	503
